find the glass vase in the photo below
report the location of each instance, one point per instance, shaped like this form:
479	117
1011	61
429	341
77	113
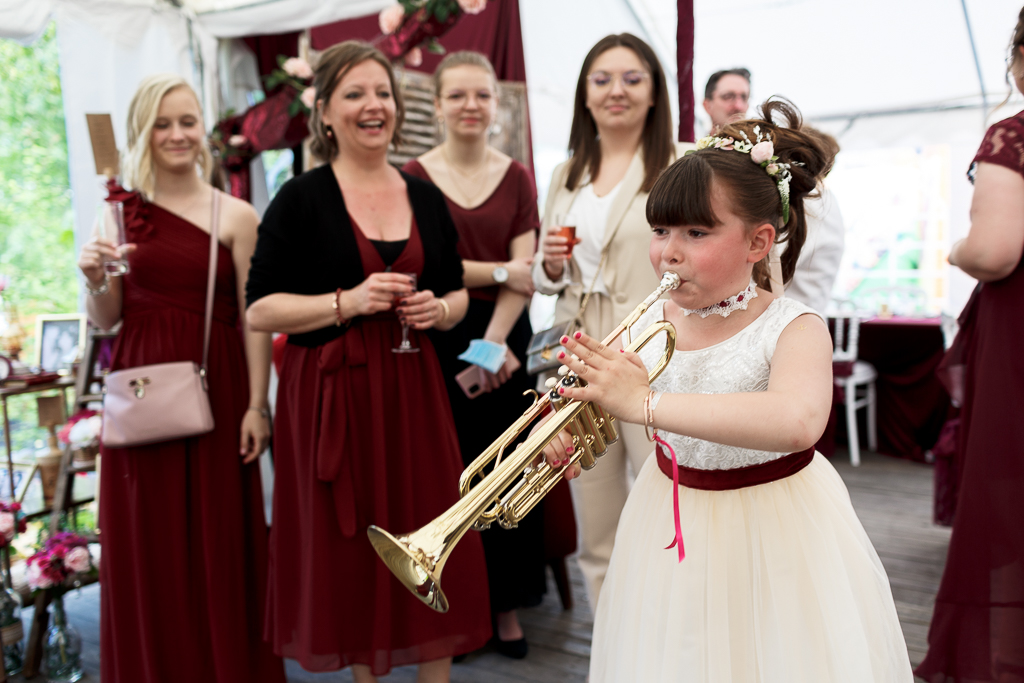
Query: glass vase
11	631
63	650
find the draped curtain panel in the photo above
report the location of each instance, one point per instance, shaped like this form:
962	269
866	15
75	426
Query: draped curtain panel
495	32
684	67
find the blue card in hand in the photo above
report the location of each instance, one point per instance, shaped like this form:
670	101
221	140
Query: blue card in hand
486	354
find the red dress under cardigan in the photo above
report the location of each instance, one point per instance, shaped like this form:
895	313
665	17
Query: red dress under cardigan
365	436
184	536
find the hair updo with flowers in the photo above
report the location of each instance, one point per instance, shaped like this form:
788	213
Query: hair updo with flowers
767	168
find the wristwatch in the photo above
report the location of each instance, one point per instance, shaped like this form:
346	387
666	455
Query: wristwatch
500	274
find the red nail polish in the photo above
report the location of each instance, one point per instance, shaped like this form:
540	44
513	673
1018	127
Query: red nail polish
561	390
578	335
561	354
556	463
568	449
622	351
564	340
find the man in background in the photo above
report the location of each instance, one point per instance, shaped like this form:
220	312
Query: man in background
726	99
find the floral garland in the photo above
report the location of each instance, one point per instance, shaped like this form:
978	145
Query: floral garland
278	122
762	153
408	24
57	564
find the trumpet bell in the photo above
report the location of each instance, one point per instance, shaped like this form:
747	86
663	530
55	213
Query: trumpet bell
409	567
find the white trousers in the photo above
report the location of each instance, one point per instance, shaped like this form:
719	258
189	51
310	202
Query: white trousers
599	494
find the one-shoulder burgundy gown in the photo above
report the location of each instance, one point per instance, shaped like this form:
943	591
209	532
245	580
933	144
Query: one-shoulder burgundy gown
184	564
977	630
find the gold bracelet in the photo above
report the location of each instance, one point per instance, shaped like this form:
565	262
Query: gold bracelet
650	403
447	311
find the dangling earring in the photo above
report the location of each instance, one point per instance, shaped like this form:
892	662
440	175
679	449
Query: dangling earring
329	132
495	129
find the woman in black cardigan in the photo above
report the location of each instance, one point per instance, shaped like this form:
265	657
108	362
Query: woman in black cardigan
363	435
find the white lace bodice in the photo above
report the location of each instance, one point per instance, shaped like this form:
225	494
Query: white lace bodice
738	364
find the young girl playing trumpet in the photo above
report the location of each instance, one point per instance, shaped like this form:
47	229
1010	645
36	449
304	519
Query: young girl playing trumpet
780	583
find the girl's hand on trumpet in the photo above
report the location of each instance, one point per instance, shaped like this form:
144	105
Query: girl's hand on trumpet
616	379
559	451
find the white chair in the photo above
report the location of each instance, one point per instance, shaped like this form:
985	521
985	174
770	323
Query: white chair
863	376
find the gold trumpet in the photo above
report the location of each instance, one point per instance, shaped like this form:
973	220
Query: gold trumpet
516	484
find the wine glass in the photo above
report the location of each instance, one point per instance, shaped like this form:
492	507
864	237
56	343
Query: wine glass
567	228
405	346
110	226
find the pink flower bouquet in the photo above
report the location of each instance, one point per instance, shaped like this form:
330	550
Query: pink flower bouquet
63	558
12	522
82	430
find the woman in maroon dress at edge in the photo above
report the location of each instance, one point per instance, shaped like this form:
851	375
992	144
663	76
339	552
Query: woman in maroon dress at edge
184	534
494	205
363	435
977	631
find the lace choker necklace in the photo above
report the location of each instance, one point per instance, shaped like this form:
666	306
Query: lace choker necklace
737	302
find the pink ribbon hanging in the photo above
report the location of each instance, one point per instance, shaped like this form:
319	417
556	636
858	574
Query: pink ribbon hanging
677	542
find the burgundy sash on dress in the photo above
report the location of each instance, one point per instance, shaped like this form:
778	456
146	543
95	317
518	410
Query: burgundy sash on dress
740	477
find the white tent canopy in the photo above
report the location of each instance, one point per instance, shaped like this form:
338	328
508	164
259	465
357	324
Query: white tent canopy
844	64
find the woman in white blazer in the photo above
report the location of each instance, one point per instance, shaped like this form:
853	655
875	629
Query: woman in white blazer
621	140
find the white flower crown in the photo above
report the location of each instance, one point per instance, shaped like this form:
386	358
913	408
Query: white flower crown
762	153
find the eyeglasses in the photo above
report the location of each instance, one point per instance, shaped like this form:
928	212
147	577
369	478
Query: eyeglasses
629	79
732	97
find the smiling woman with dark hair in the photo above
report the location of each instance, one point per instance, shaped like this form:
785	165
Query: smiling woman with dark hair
620	142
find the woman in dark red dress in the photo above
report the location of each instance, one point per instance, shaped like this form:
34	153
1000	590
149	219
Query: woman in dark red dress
493	202
977	631
184	533
363	435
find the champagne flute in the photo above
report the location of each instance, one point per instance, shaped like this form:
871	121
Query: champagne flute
110	226
406	346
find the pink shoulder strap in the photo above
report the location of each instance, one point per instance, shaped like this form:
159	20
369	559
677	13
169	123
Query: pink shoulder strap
211	280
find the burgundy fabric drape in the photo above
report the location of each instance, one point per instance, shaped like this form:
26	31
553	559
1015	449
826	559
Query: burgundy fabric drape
495	32
912	403
684	68
268	48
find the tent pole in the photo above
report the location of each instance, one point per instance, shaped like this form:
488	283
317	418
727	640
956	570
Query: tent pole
977	62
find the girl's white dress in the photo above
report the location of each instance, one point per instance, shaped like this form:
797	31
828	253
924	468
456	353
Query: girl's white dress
780	583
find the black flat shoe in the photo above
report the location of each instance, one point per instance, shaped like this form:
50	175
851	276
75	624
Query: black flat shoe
513	649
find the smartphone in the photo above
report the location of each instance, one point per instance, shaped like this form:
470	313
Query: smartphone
472	381
472	378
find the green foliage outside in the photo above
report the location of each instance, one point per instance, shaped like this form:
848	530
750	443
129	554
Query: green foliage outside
37	246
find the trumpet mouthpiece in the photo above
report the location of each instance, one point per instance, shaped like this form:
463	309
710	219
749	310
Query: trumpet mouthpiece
670	280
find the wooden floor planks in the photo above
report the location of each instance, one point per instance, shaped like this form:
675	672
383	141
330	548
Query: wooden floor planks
892	497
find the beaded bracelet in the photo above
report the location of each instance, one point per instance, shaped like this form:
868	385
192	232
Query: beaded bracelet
336	305
102	289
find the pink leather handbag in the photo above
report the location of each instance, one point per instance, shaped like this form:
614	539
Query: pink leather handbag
165	401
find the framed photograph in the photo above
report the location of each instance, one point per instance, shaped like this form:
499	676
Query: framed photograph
59	340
